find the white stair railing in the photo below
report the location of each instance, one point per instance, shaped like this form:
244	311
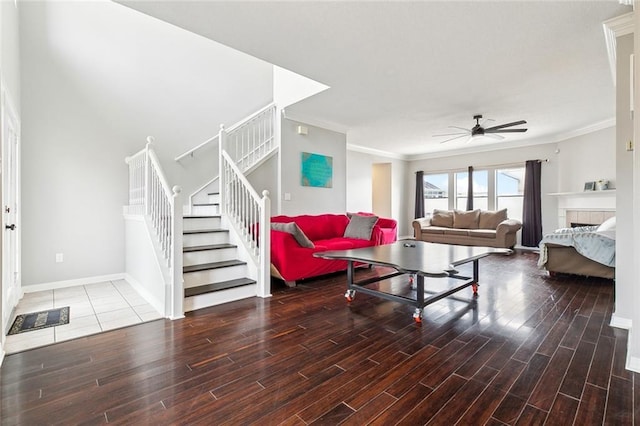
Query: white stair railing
242	147
151	196
250	140
249	214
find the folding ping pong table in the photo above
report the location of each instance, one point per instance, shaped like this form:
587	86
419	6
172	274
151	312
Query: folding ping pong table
417	259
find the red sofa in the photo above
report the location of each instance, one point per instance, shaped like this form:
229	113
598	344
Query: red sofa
291	262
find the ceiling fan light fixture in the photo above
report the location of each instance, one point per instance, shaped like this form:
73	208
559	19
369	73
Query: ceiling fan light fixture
478	131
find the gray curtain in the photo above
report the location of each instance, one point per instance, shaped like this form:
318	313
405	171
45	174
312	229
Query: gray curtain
419	195
531	208
470	190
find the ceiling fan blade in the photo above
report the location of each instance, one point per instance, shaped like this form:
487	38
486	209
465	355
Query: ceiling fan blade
505	131
450	134
486	121
460	128
515	123
451	139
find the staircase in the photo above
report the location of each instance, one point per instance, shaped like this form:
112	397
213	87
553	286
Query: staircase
211	255
212	272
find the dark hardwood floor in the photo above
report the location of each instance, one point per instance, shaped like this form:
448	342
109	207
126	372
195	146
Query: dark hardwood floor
529	350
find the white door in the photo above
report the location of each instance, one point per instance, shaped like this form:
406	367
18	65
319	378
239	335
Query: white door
11	290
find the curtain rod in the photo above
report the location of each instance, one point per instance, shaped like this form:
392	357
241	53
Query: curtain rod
492	166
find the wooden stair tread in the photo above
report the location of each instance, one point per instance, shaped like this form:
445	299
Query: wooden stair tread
201	217
210	288
208	247
212	265
204	231
206	204
213	193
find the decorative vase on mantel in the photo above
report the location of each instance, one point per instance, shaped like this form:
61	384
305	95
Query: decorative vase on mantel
602	184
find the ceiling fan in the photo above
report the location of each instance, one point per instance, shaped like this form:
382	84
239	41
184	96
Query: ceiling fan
479	130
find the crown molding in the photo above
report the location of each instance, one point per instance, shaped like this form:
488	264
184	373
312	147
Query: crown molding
616	27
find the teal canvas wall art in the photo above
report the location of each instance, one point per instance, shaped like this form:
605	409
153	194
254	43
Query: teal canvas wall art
317	170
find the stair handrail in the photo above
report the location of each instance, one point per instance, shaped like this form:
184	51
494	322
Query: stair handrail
250	216
149	188
191	152
250	117
250	140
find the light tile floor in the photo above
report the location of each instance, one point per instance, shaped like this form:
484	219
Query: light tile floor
93	308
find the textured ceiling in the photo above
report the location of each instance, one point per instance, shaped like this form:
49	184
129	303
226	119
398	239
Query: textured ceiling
400	72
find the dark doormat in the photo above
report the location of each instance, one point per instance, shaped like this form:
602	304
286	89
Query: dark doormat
40	320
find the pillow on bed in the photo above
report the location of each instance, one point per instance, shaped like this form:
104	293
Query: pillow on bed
607	228
293	229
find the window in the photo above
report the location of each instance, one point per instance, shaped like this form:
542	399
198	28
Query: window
493	189
510	191
480	189
436	192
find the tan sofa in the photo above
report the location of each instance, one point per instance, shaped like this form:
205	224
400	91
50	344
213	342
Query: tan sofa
468	228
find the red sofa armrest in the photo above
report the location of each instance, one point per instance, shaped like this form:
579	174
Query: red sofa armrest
377	236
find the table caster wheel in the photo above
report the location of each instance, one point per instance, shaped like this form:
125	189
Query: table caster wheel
417	316
350	295
474	287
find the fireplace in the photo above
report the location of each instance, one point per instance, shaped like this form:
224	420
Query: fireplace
587	217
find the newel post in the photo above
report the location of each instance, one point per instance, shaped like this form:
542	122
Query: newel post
222	179
264	272
175	299
147	177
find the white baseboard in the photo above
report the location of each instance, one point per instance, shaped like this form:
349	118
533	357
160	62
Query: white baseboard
71	283
633	362
153	301
620	322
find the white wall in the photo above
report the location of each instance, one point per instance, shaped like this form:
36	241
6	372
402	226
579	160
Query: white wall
633	358
101	78
142	267
10	50
626	279
306	199
360	182
587	158
265	177
494	158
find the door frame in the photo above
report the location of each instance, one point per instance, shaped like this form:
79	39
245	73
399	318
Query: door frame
8	112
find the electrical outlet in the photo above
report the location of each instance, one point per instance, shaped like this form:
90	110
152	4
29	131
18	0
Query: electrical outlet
59	257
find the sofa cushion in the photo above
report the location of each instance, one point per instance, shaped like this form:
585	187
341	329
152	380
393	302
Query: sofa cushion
456	231
491	219
335	244
483	233
442	218
466	219
434	230
293	229
317	227
360	227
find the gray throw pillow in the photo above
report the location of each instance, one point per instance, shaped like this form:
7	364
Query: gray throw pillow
293	229
360	227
